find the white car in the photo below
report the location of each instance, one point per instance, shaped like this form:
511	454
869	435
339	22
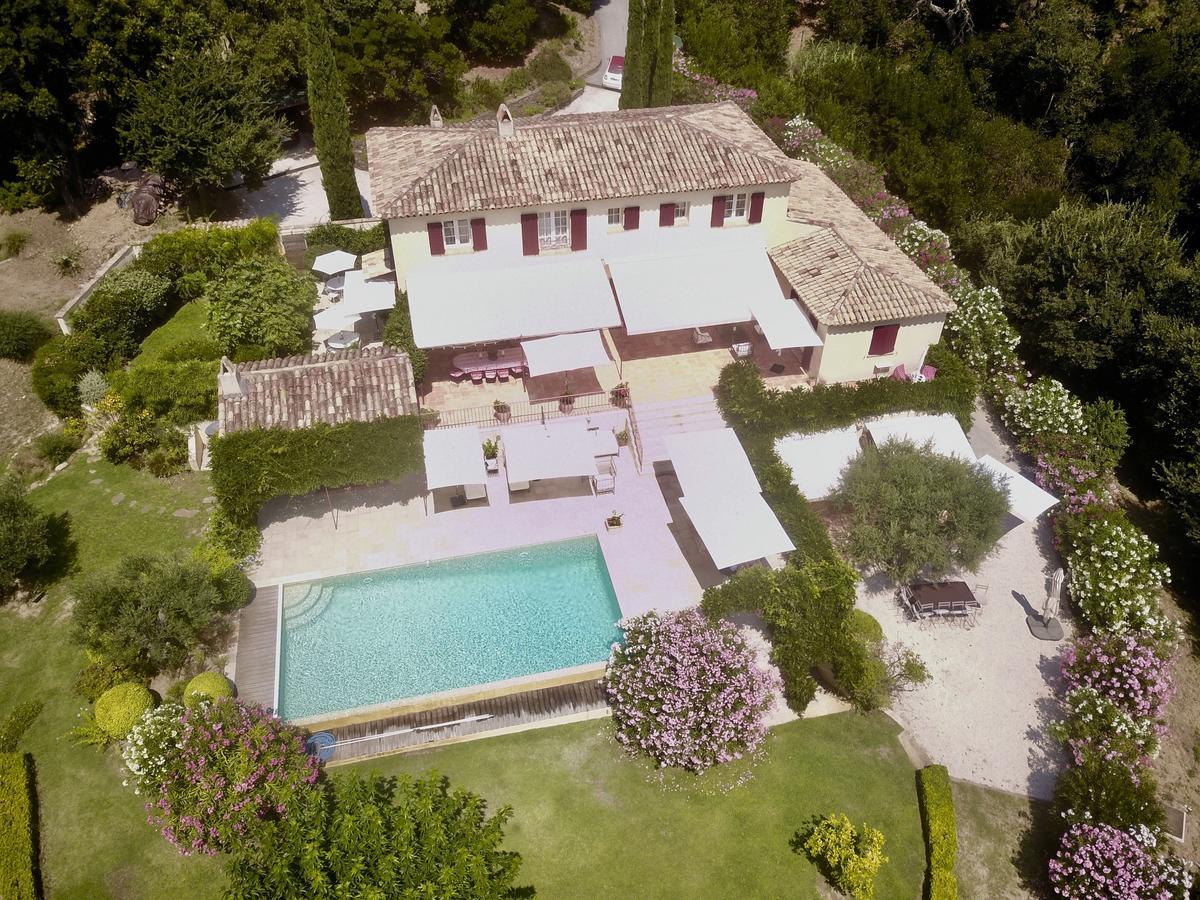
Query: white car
614	74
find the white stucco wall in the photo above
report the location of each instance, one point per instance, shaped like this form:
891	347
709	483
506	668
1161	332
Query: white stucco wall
844	356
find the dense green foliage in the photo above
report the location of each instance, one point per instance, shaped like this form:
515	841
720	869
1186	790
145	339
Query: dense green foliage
206	686
123	308
120	707
912	512
150	612
341	237
494	30
941	830
1102	790
17	722
24	534
58	366
738	41
849	857
398	333
358	836
251	467
330	116
56	447
647	79
19	877
264	302
176	392
21	333
189	258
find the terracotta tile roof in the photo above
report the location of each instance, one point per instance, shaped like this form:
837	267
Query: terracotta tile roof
299	391
847	271
424	170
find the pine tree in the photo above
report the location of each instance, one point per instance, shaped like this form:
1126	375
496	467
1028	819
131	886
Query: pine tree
661	73
635	85
330	118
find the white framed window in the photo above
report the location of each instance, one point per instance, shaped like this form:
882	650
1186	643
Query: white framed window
736	206
457	233
682	208
554	229
614	217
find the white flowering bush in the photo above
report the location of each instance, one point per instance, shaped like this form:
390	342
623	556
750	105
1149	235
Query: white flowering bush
1097	728
1116	578
980	333
1041	407
151	747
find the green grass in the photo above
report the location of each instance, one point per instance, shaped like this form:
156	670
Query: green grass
186	324
1002	849
591	822
95	841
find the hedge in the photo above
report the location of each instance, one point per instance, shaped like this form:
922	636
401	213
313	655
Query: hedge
19	877
398	333
251	467
190	257
342	237
941	830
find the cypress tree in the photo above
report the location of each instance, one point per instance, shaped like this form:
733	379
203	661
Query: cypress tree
635	86
330	118
661	80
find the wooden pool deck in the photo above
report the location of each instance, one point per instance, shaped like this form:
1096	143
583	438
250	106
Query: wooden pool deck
254	662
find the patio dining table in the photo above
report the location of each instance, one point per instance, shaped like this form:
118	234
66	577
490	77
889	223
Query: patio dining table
482	360
942	597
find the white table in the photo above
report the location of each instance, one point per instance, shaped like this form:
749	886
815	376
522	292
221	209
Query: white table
482	360
604	442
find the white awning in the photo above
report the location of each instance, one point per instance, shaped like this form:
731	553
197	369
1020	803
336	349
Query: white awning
711	461
943	430
565	352
359	296
817	460
560	450
333	262
691	290
1026	500
454	305
783	322
735	527
335	319
453	456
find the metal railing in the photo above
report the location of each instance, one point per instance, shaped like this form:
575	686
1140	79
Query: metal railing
635	438
518	411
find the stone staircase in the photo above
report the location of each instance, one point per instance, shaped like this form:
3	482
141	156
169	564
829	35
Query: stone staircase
657	420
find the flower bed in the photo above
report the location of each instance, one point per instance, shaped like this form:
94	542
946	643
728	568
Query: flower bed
1099	861
687	692
1123	668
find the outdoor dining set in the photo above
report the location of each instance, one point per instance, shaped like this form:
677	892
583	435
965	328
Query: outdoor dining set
949	600
489	365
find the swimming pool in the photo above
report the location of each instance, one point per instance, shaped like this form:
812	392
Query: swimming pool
371	638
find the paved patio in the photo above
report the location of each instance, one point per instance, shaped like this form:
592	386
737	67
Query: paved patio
992	693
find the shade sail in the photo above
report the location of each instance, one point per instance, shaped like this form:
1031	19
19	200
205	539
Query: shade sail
691	290
1026	500
453	305
453	456
334	262
711	461
335	319
565	352
560	450
783	323
359	297
735	528
943	430
817	460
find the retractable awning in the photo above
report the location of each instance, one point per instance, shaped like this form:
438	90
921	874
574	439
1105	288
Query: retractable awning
454	305
1026	500
453	456
711	460
943	430
817	460
565	352
736	528
560	450
783	322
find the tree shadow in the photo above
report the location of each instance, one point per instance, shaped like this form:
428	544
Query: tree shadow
1036	845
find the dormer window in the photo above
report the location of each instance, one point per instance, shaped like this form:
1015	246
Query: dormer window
736	206
554	229
457	233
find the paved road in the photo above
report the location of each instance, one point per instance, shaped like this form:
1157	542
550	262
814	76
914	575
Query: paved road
612	18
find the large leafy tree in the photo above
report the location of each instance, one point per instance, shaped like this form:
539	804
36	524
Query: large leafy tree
330	117
496	30
197	121
262	302
370	836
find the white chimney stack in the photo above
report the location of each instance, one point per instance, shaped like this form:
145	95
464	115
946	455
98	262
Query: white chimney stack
435	116
504	122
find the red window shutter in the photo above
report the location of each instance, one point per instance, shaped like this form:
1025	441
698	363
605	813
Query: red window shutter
633	216
579	229
718	211
437	242
479	234
529	234
883	339
756	205
666	215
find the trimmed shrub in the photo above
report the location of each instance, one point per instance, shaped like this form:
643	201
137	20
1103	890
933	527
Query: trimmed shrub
123	308
119	708
398	333
341	237
93	387
176	392
262	301
19	877
190	257
206	686
97	677
941	830
848	857
17	722
24	533
21	334
58	366
191	349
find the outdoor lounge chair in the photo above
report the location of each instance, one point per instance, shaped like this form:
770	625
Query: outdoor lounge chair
502	374
489	375
605	479
928	373
900	373
457	375
517	371
476	378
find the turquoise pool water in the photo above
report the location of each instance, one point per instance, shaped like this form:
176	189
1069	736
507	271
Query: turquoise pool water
359	640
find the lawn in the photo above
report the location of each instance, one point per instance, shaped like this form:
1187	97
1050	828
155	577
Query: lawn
591	822
94	837
187	324
1001	855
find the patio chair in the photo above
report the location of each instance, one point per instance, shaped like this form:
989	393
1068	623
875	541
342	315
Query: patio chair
701	337
489	375
476	378
517	371
928	373
908	601
741	350
457	375
900	373
980	593
502	374
605	479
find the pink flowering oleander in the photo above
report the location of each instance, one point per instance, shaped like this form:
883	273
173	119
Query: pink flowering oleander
237	764
1123	668
716	91
686	691
1099	862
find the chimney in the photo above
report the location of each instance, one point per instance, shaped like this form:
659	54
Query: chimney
504	122
435	117
229	383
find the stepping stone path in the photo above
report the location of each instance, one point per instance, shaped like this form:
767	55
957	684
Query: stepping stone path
96	480
185	513
208	500
118	499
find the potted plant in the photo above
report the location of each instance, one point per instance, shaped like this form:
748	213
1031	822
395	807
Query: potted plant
501	410
620	395
430	417
567	401
491	454
613	522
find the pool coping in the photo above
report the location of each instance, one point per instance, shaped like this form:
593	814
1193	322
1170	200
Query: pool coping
421	702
